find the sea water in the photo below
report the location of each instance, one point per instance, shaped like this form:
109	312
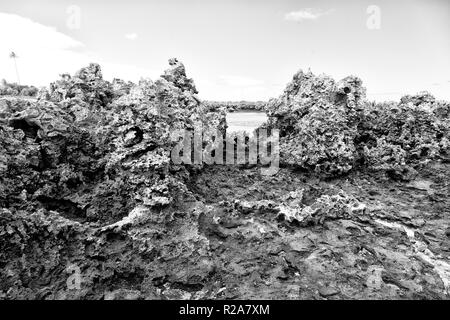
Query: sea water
245	121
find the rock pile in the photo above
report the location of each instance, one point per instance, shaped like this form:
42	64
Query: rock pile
316	118
78	162
399	137
13	89
329	127
88	190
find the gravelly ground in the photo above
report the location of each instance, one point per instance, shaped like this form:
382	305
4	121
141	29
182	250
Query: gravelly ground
398	249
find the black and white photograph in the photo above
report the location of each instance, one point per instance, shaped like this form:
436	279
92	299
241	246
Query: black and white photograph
240	152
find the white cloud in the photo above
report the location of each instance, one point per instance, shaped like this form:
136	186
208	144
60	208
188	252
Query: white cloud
44	53
19	32
131	36
238	81
305	14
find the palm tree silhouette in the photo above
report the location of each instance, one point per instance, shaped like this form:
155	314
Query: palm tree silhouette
13	55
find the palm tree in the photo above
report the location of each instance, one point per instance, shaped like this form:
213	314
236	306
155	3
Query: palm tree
13	55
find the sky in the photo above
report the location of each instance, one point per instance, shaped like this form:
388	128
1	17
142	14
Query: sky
234	49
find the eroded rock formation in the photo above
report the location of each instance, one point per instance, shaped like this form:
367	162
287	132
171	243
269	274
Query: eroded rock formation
91	206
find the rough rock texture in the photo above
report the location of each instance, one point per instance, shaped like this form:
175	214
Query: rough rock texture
81	169
298	237
317	121
87	189
398	137
328	127
13	89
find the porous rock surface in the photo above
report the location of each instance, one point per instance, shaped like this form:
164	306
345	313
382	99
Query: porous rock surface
360	208
329	127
